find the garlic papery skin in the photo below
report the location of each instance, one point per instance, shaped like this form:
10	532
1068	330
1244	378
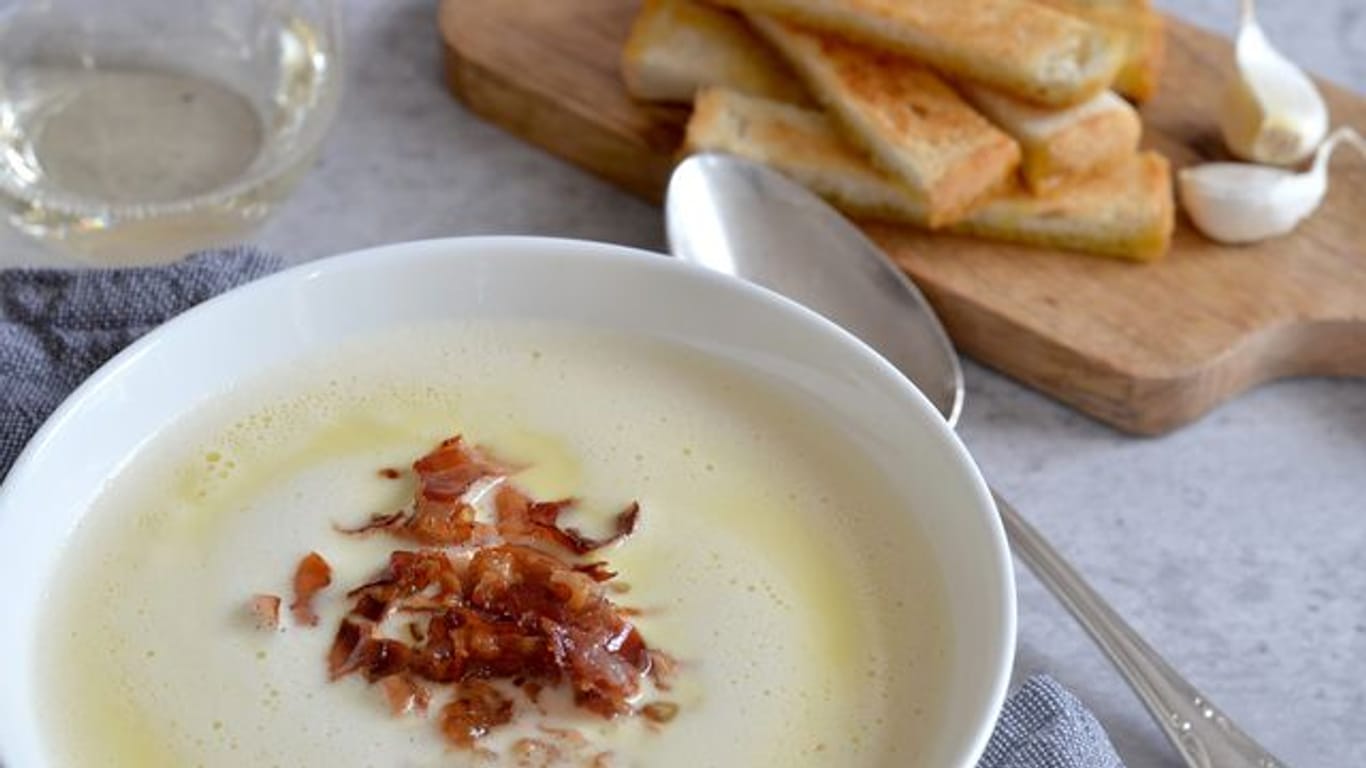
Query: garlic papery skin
1244	203
1272	112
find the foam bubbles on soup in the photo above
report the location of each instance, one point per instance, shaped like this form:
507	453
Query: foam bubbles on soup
808	621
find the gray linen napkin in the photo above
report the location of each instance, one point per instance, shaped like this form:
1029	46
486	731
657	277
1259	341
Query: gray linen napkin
58	326
1044	726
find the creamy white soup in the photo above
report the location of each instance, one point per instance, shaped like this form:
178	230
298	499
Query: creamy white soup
802	608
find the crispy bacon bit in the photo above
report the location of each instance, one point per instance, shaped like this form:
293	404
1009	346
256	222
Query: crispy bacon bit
521	518
405	694
265	610
389	473
311	577
624	526
558	746
663	669
344	656
660	711
440	524
370	607
358	648
515	612
441	517
444	475
383	658
535	753
375	523
601	653
420	581
596	571
482	603
564	737
604	666
477	708
532	689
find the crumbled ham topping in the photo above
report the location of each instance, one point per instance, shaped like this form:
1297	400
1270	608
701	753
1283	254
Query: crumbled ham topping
312	575
487	607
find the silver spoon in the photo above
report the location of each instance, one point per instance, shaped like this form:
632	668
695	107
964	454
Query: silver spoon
733	216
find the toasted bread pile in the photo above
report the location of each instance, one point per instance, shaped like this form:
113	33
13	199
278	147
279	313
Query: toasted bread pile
1003	119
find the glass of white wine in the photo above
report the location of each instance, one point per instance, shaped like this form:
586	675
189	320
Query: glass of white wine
135	131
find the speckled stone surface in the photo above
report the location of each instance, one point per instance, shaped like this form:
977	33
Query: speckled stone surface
1236	545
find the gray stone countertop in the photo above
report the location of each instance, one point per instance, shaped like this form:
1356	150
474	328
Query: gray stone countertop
1236	545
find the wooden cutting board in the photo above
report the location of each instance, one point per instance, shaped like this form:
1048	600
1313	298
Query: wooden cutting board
1145	348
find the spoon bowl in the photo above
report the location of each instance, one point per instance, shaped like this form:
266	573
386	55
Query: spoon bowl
714	204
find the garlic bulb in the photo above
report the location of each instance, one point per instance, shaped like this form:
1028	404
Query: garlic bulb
1272	112
1244	203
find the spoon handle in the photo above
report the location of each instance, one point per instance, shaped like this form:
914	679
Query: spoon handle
1198	730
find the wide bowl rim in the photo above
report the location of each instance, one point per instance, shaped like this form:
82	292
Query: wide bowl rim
390	256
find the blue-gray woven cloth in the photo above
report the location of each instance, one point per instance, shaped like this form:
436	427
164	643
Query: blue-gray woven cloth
58	326
1044	726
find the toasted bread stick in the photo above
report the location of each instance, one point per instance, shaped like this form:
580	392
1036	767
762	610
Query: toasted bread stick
911	122
1019	47
678	46
1126	211
1144	40
1061	144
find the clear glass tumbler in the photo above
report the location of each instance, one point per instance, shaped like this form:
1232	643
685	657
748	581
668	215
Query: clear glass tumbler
136	131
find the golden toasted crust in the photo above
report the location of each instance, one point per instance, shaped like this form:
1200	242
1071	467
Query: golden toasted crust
678	46
1141	73
1142	31
911	122
1063	143
1126	211
802	144
1016	46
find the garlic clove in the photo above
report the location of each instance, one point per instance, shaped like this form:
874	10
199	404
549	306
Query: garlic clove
1243	203
1272	112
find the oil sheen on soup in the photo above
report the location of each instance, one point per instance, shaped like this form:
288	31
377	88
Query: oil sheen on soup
800	606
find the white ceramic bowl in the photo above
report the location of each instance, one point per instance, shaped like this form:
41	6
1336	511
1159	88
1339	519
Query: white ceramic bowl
174	369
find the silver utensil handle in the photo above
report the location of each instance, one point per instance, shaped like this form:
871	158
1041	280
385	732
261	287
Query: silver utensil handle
1198	730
